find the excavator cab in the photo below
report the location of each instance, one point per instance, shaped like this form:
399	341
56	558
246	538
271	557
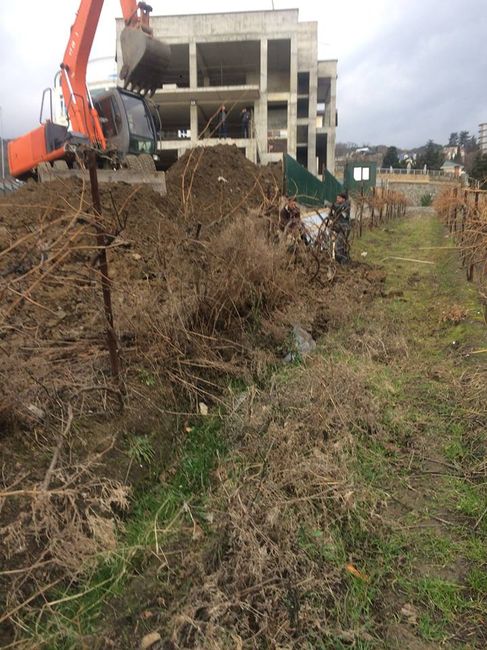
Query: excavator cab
126	122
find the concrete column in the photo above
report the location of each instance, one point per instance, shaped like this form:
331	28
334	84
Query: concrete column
313	107
330	151
193	65
330	162
193	83
312	132
193	112
333	102
292	109
260	106
263	65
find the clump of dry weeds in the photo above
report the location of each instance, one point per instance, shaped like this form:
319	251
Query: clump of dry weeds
203	316
187	300
272	572
195	300
55	527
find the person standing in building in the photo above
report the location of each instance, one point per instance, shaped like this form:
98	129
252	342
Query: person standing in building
222	122
245	119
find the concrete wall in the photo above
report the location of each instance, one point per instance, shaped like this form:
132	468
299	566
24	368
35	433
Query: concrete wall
252	78
277	119
415	190
328	69
278	82
225	24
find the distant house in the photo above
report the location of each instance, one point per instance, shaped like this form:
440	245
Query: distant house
483	137
453	168
451	152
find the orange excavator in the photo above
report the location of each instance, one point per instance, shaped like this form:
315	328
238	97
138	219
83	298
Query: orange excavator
118	123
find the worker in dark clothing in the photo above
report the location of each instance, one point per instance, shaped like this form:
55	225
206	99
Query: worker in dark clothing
290	221
245	120
341	226
222	122
290	216
340	210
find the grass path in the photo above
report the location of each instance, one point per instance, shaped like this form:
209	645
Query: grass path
431	468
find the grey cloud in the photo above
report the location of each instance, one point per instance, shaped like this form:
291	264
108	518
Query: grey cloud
423	76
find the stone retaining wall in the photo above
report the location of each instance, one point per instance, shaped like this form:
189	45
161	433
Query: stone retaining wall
415	190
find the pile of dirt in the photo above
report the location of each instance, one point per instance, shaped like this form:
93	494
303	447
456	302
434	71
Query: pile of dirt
210	182
196	269
51	305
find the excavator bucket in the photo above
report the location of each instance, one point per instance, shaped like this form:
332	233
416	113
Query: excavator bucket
145	60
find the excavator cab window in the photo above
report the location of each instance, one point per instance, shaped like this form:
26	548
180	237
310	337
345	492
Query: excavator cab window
141	126
110	118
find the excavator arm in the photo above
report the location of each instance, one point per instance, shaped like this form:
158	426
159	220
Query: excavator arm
143	60
136	14
83	117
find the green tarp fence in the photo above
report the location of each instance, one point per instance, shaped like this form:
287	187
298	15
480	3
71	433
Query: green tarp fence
307	189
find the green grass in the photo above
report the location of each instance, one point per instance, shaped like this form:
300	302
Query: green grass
141	450
467	498
421	406
407	557
322	547
438	550
440	603
440	596
455	450
372	462
476	551
477	580
431	629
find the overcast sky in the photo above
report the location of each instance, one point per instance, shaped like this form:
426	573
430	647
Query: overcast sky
408	70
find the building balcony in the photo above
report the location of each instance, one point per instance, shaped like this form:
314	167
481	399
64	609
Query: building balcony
179	143
209	94
182	134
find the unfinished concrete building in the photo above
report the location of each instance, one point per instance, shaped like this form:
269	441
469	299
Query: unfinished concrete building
483	137
266	61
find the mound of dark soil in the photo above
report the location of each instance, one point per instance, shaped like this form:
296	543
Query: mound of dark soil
210	181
